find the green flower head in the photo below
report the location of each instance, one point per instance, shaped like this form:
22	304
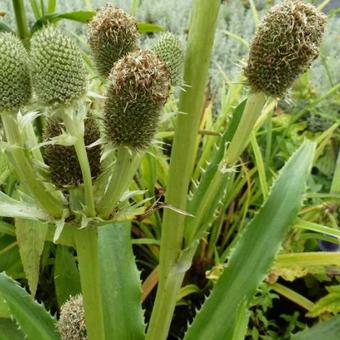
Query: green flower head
169	50
62	160
286	43
58	71
15	83
71	323
112	34
139	87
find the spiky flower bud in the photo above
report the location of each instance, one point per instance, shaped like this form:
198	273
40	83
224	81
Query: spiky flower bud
71	323
286	43
112	34
58	70
139	87
169	50
62	160
15	83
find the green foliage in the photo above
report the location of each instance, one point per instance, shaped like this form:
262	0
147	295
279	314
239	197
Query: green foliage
252	255
139	87
327	329
58	71
15	82
9	330
169	50
31	237
213	186
32	318
285	44
66	275
123	313
327	304
112	34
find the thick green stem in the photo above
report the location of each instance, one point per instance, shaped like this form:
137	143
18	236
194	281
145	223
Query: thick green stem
125	167
24	168
80	148
21	21
252	112
87	252
200	42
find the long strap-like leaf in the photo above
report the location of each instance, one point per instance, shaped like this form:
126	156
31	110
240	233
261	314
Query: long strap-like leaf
35	322
121	288
255	251
328	330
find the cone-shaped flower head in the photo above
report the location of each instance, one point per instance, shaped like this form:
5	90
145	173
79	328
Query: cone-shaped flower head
71	323
112	34
169	50
15	83
62	160
286	43
139	87
58	70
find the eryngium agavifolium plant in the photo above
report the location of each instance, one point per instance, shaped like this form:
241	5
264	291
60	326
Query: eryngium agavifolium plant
62	160
169	50
139	87
15	83
58	71
112	34
71	323
287	41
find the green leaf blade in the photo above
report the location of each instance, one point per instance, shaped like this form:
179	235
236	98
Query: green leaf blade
66	275
33	319
31	237
329	330
120	283
255	251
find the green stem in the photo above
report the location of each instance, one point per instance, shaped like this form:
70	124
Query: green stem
125	167
335	187
87	253
252	112
292	296
24	168
21	21
306	260
80	148
200	42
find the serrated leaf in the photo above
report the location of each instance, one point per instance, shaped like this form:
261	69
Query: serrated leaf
9	330
255	250
121	285
328	330
66	275
327	304
10	207
31	237
33	319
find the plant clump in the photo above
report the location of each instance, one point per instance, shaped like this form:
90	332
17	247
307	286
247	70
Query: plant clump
62	160
71	323
169	50
112	34
286	43
15	82
58	70
139	87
